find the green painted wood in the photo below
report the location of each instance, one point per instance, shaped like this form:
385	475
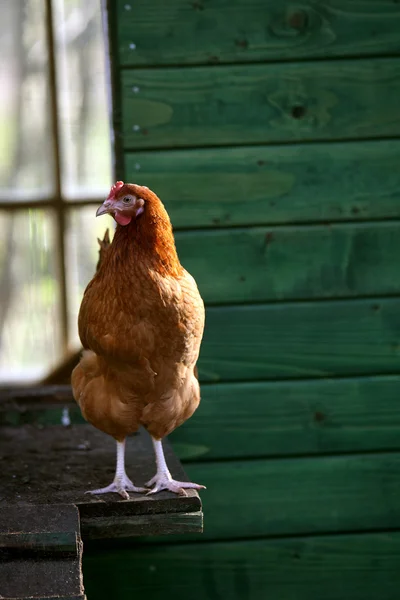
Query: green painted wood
182	32
299	340
226	105
273	185
346	567
288	418
292	263
258	498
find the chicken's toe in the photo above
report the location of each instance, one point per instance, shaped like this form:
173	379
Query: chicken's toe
109	489
121	487
164	482
152	481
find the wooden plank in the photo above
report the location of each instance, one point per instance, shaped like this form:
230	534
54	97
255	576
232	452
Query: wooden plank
288	418
181	32
293	263
257	498
356	567
38	530
142	525
40	552
299	340
219	106
84	458
40	580
273	185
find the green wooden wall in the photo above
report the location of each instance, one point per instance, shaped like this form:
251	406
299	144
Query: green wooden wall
271	130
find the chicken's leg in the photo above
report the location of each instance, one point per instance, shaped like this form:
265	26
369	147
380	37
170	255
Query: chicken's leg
121	484
162	480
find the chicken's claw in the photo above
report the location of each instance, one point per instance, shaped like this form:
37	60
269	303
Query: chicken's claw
121	487
163	482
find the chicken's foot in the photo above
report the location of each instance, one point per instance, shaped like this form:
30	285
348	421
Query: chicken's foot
121	484
163	480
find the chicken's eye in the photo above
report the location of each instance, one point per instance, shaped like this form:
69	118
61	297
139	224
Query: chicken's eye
127	200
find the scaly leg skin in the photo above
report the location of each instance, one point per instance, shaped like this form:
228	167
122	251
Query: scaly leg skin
121	484
162	480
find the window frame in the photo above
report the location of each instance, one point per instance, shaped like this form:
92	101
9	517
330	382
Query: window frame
59	204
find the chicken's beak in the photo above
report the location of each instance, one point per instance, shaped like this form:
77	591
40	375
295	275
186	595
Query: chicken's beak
104	208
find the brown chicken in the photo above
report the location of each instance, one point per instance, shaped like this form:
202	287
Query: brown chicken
141	323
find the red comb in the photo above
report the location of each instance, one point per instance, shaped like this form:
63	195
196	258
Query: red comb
117	186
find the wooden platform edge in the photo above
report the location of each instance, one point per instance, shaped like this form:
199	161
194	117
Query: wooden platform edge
132	526
41	553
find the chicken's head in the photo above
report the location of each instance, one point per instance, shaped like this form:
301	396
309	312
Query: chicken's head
124	202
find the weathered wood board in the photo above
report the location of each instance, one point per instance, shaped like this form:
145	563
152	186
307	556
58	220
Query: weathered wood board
182	32
346	567
301	340
259	419
256	104
39	530
40	553
293	263
266	185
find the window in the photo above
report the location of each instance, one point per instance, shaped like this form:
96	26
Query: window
55	167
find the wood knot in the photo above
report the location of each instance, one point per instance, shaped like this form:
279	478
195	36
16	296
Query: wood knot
268	238
297	20
244	44
298	111
319	417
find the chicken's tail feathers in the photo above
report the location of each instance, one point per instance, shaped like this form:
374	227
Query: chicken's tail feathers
104	246
105	242
87	369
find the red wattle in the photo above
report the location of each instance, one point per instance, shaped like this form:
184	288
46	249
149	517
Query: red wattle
122	219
